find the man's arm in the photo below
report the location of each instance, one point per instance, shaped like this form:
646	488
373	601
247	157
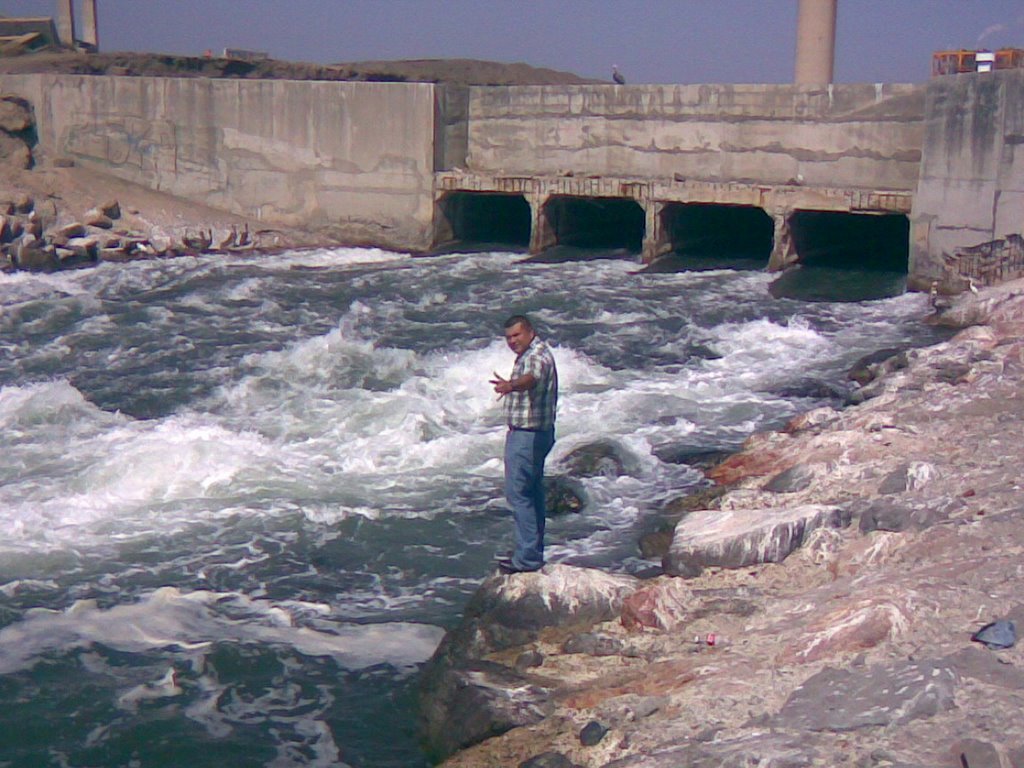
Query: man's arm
518	384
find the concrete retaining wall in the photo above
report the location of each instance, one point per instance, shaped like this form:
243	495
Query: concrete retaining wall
857	136
971	189
357	157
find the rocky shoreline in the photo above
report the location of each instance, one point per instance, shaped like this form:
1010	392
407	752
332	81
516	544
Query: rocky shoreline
816	609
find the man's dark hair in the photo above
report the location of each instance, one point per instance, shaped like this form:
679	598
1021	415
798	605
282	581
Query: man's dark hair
516	319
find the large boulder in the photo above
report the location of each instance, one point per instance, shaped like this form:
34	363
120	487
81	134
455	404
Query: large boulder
476	701
15	114
602	458
742	537
466	698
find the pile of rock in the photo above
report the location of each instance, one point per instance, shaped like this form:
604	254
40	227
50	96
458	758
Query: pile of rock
37	235
32	238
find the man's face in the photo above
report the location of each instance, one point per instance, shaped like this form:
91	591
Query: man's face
518	338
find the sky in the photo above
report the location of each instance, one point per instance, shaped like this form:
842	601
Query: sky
651	41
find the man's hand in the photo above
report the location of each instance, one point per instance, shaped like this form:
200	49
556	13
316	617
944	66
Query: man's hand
501	386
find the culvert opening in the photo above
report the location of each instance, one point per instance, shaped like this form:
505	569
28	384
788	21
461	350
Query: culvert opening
484	220
704	235
597	223
857	241
846	257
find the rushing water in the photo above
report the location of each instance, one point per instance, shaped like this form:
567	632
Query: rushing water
240	498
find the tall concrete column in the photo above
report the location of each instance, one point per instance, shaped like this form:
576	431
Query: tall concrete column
542	234
815	42
656	241
783	248
66	22
90	25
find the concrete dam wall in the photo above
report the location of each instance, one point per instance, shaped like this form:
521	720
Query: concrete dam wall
916	175
682	167
968	213
357	157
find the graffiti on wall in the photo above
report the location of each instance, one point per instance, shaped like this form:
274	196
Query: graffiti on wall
146	147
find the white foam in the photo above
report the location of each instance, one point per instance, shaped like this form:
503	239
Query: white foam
191	621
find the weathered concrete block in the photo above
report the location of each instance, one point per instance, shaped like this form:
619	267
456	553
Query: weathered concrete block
742	537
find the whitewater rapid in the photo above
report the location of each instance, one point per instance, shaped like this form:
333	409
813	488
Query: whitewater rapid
298	455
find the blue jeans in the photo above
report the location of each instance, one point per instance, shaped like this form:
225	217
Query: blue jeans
525	452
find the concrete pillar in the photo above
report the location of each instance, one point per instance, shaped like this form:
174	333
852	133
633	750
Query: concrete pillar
90	25
656	241
542	234
66	22
815	42
783	248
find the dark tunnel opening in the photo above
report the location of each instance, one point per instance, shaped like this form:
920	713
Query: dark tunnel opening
711	235
600	223
869	242
483	220
846	257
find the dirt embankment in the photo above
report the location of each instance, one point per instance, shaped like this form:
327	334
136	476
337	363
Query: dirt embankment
455	71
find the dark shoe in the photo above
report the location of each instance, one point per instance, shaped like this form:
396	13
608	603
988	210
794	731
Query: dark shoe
507	567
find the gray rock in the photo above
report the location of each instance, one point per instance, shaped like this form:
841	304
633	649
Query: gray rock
739	538
30	255
888	515
563	495
24	203
691	455
476	702
111	209
529	659
850	699
504	612
877	364
549	760
96	218
909	477
68	231
792	480
593	644
986	667
604	458
592	733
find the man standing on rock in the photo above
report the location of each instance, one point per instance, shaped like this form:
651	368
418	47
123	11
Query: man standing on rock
531	396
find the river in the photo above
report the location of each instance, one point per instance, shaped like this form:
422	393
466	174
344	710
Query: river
242	497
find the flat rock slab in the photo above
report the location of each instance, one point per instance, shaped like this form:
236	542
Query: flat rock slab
850	699
763	750
742	537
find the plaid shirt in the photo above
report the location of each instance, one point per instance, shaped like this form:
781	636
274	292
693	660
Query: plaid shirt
534	408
